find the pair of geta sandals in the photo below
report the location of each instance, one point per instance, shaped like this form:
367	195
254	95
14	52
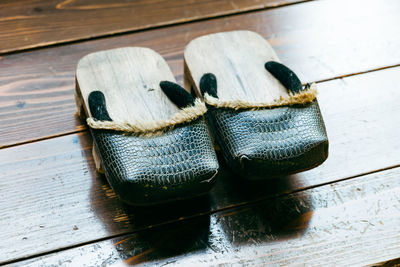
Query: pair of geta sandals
155	141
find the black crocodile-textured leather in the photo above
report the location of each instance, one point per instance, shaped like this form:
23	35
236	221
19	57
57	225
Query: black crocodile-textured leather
180	163
269	142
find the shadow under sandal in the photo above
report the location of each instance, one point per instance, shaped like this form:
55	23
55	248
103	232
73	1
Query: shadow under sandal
264	121
150	136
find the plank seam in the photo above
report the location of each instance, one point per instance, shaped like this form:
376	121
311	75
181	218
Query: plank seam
173	23
199	215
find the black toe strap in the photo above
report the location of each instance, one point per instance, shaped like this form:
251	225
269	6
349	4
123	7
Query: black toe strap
286	76
208	84
97	106
177	94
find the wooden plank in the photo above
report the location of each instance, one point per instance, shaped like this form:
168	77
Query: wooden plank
350	223
36	88
28	24
51	195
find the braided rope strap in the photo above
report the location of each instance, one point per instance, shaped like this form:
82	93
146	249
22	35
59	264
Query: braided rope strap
149	128
305	96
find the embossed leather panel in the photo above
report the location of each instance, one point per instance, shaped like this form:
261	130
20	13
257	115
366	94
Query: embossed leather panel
270	142
145	170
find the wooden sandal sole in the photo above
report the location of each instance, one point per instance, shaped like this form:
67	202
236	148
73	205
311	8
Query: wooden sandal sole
266	123
152	150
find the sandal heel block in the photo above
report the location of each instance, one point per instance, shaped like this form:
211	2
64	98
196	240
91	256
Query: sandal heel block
81	113
188	83
265	122
149	134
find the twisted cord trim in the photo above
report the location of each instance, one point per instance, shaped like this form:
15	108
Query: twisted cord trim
303	97
152	127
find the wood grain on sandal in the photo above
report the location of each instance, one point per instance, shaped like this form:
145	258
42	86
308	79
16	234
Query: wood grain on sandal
237	60
129	79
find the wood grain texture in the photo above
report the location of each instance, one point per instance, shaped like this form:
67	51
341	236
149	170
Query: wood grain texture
65	203
28	24
351	223
129	79
317	40
237	60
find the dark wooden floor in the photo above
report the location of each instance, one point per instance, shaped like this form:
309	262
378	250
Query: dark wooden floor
56	210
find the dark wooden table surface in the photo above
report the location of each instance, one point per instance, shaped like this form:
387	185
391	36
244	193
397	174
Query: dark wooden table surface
56	210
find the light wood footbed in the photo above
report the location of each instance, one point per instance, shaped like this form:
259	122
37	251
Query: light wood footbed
129	78
237	60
